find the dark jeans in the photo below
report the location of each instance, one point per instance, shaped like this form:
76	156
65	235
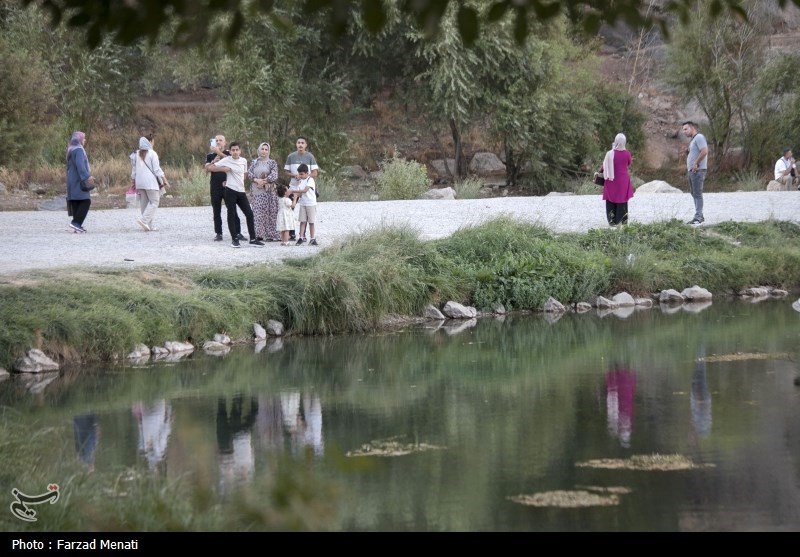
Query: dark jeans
80	209
217	197
239	199
617	213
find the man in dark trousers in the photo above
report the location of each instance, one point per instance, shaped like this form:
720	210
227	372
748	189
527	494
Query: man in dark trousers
217	182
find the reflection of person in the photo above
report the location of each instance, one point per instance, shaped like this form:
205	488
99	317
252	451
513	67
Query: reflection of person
785	170
78	171
700	400
696	166
617	188
148	178
620	387
263	173
87	433
302	420
234	440
155	425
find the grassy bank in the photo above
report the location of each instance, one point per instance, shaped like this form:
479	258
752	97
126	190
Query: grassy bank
354	285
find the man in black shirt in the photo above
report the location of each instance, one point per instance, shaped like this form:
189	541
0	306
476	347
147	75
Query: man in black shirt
217	180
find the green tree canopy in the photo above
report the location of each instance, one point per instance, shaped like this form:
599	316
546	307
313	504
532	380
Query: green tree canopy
192	22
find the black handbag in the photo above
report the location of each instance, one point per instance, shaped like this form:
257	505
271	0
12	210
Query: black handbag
598	178
87	186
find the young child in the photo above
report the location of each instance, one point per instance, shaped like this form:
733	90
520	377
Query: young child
306	189
285	222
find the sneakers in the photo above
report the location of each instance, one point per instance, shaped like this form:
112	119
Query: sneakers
257	243
235	244
218	238
143	224
695	222
292	237
300	242
313	242
76	228
240	237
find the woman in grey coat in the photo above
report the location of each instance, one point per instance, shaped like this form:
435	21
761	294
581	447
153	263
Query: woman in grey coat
78	171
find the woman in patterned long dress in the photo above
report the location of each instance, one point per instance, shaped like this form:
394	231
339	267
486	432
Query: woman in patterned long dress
263	174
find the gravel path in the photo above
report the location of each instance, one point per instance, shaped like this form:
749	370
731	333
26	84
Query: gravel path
42	240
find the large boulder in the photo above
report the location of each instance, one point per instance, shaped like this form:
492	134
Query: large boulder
553	306
258	332
139	351
176	346
623	299
433	313
796	305
222	338
444	167
605	303
695	294
670	296
274	328
486	164
35	361
439	193
454	310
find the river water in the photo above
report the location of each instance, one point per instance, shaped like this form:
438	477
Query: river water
521	423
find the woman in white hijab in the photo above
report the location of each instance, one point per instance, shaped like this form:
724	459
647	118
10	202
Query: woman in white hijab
617	188
148	178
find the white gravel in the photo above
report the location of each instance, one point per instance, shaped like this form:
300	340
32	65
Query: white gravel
42	240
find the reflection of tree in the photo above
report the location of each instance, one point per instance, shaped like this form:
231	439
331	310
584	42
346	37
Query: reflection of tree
620	387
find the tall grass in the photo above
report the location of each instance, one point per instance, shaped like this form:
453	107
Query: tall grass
354	284
402	179
193	188
468	188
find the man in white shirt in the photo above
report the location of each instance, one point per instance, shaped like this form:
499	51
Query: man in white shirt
235	167
785	170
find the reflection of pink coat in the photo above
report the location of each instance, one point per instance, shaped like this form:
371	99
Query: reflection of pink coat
619	189
620	386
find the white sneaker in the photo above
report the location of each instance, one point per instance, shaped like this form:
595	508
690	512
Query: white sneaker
143	224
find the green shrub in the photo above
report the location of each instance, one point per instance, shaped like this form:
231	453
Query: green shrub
468	188
193	189
402	179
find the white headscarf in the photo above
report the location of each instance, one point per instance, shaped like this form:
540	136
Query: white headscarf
144	145
608	162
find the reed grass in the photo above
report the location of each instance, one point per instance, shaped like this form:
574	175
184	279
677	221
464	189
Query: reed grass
353	285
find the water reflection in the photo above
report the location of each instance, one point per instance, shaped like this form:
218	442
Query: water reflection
511	411
87	435
154	421
620	388
700	399
235	440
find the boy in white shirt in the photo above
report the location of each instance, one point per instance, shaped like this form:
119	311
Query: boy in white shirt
235	166
308	204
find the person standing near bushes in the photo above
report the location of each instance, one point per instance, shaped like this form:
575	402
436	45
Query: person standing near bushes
263	173
617	188
293	161
78	171
217	187
696	166
148	178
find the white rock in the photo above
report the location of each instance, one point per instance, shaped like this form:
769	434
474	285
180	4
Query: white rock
159	351
274	328
433	313
696	293
644	302
439	193
551	305
214	346
499	309
623	299
455	310
778	293
259	332
670	296
139	351
757	291
605	303
222	338
583	307
485	164
35	361
796	305
657	186
176	346
4	374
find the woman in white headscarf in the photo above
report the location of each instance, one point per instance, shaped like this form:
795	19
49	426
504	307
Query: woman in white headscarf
617	188
148	178
263	173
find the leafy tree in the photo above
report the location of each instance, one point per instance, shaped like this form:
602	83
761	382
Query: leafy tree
716	64
194	22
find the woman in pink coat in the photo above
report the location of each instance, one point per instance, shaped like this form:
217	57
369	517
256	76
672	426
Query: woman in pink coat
617	188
